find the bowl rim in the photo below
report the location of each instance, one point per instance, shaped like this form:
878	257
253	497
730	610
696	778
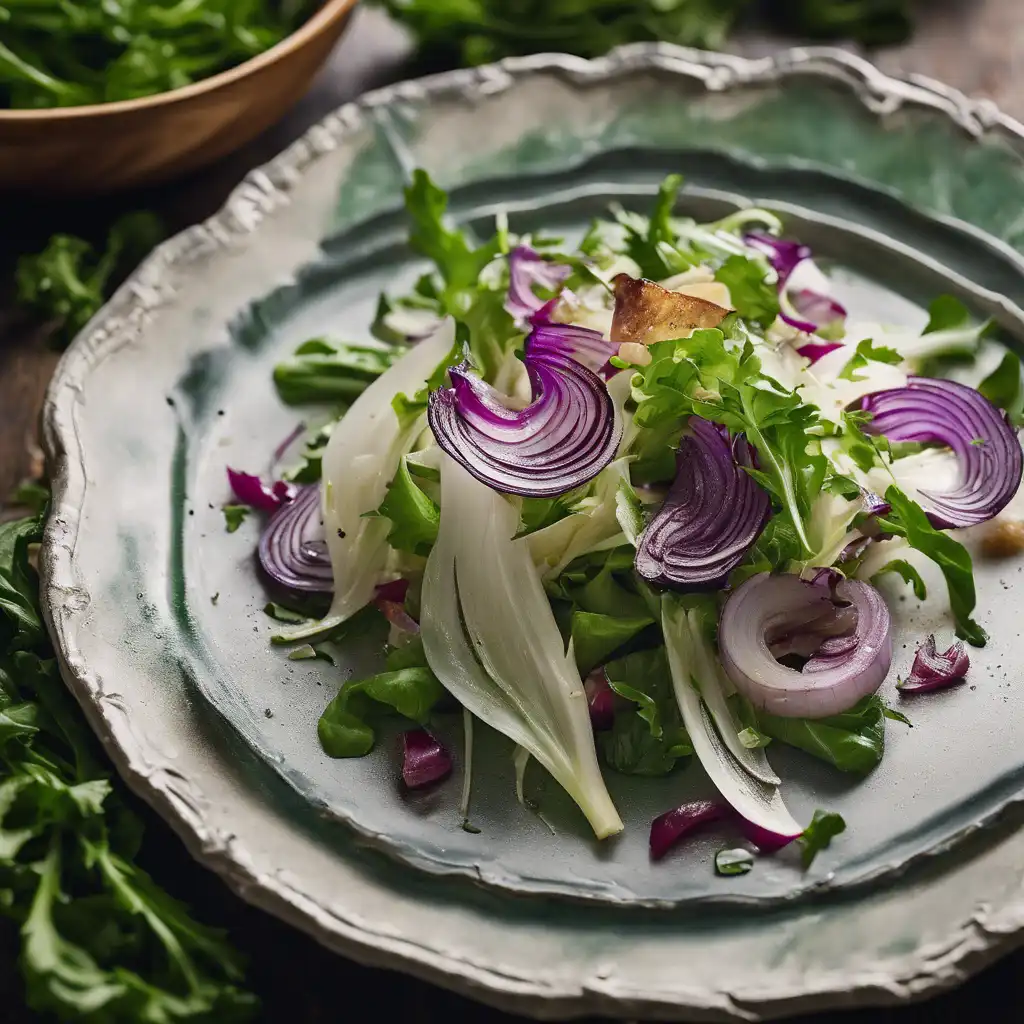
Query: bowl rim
327	15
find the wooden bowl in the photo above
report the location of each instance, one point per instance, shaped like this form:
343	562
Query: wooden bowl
108	146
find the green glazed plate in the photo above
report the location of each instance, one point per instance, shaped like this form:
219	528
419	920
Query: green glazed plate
908	190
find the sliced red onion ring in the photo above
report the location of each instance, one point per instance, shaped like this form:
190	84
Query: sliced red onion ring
766	608
934	671
251	490
527	268
673	825
986	446
712	516
583	344
561	440
600	699
424	759
292	550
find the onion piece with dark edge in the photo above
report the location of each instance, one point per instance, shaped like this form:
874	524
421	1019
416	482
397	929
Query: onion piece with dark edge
292	549
815	350
252	491
561	440
934	671
673	825
843	670
424	759
527	268
713	514
987	449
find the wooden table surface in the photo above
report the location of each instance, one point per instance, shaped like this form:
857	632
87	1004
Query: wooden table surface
975	45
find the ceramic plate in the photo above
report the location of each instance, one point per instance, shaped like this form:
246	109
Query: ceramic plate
157	611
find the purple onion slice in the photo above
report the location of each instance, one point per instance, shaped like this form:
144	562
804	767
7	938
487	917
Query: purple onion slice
986	446
844	668
424	759
527	268
252	491
713	514
934	671
561	440
672	826
292	550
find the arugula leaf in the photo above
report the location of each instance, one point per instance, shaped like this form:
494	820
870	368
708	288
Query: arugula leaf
752	296
68	282
909	520
234	516
1003	388
346	725
458	262
908	573
651	242
650	740
866	352
853	741
322	371
414	516
824	827
700	375
100	940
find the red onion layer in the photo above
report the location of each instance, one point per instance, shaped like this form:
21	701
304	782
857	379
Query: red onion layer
292	550
424	759
252	491
712	516
561	440
672	826
986	446
600	700
803	308
843	669
527	268
934	671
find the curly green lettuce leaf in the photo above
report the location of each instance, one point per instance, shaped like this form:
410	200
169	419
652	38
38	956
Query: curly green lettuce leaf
413	515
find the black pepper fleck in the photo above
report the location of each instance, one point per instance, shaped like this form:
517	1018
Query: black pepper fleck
341	534
170	401
269	713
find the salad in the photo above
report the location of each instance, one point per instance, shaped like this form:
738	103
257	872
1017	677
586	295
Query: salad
627	505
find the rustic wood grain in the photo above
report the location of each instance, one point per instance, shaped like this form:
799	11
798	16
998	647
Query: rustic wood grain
975	45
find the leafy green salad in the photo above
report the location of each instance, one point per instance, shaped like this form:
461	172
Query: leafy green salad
627	503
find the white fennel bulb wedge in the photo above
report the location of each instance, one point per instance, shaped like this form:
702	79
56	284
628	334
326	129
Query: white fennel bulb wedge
491	638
